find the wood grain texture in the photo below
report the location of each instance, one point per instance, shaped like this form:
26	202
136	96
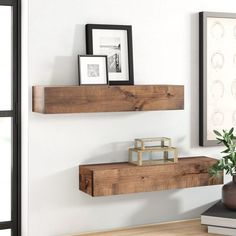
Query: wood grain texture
77	99
181	228
122	178
38	95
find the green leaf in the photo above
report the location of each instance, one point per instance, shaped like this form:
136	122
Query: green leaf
226	157
231	131
225	143
217	133
226	150
219	139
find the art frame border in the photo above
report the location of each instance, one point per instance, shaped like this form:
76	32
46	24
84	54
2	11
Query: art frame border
203	141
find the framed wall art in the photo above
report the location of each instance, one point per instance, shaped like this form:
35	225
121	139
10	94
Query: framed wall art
217	74
115	41
92	70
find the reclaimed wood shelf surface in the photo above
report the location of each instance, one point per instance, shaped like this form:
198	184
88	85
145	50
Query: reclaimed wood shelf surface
77	99
122	178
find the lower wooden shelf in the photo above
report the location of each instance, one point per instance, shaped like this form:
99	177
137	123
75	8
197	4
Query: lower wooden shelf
122	178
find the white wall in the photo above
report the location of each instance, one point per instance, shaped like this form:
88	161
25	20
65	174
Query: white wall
165	44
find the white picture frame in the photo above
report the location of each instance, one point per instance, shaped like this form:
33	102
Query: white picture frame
92	70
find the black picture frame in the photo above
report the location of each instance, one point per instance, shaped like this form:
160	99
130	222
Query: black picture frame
92	56
90	48
203	76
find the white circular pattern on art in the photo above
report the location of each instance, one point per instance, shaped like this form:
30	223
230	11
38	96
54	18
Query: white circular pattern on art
217	60
233	88
217	118
217	30
217	90
234	118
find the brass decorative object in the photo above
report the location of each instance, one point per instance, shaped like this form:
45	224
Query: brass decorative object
153	151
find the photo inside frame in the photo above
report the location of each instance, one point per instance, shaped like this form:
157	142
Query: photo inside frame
93	70
113	44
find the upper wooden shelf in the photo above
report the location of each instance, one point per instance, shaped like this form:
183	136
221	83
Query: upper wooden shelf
121	178
77	99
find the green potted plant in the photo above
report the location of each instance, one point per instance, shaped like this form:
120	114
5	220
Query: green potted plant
228	164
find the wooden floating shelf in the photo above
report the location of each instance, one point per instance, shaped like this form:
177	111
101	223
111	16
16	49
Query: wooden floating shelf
77	99
122	178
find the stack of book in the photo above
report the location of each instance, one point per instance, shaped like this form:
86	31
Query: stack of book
220	220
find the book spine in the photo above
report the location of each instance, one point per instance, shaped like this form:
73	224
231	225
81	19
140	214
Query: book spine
221	230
